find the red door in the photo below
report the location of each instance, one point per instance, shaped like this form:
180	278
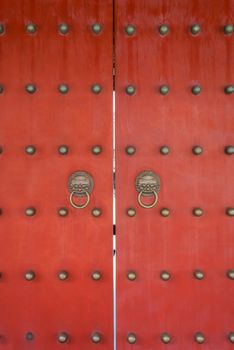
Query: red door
56	120
174	132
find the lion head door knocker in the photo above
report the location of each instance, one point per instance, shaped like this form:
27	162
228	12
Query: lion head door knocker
80	184
147	185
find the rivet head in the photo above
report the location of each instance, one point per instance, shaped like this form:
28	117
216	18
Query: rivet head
1	211
230	211
96	88
97	28
196	90
165	275
229	89
62	337
63	211
96	212
96	150
164	29
131	212
63	149
96	275
231	337
230	274
2	29
31	28
195	29
30	211
130	150
130	90
130	29
164	89
199	337
1	149
29	275
197	212
197	150
131	275
63	88
165	338
29	336
164	150
63	28
198	274
165	212
229	150
1	89
131	338
63	275
228	29
96	337
30	88
30	149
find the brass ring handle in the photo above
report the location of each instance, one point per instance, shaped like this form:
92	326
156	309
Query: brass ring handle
148	206
82	206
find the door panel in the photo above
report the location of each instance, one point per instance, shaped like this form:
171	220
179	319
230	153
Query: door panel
175	261
48	44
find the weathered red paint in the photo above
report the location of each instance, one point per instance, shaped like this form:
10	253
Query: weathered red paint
180	243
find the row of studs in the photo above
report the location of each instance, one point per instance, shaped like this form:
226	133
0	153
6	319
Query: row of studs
31	211
166	338
130	89
62	149
197	150
165	212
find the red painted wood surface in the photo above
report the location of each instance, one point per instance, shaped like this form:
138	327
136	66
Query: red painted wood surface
47	243
149	243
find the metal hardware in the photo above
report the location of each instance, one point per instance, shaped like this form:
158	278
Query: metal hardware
130	90
97	28
198	274
29	336
147	185
229	150
165	338
96	149
165	212
1	88
164	29
63	149
1	149
130	150
96	337
63	211
96	275
165	275
63	28
230	211
228	29
80	184
30	211
199	337
195	29
96	212
164	89
29	275
229	89
196	90
30	88
165	150
63	275
31	28
62	337
130	29
96	88
231	337
197	150
2	29
131	212
30	149
131	338
63	88
132	275
230	274
197	212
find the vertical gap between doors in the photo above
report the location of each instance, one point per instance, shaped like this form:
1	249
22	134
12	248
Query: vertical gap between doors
114	182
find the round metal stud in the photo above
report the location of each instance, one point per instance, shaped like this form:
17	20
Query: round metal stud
96	150
195	29
1	89
131	275
96	275
164	29
230	211
62	337
165	338
231	337
63	211
29	275
197	212
165	275
165	150
63	275
229	89
29	336
96	212
31	28
96	337
228	29
63	28
30	211
1	211
230	274
30	88
131	212
199	338
130	150
165	212
131	338
30	149
197	150
229	150
63	88
130	90
164	89
1	149
96	88
130	29
63	149
196	90
198	274
2	29
97	28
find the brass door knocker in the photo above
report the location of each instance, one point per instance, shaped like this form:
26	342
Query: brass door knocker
80	184
147	185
